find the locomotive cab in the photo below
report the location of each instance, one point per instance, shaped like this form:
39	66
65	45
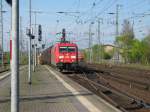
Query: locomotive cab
68	57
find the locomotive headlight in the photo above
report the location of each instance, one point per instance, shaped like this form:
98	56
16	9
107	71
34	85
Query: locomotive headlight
60	57
73	57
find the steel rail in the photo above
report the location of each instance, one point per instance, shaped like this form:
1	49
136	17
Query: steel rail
134	99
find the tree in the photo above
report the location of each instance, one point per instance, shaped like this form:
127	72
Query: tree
95	52
136	52
127	30
125	40
146	52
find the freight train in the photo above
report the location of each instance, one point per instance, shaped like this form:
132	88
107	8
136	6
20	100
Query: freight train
62	55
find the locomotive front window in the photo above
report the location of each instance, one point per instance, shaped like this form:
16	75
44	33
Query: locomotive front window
67	49
71	49
63	49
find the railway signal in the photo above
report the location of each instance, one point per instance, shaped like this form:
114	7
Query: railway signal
43	46
9	2
28	33
63	39
40	33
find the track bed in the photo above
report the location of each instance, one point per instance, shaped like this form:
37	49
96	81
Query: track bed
127	89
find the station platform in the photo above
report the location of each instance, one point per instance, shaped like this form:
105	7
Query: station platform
51	91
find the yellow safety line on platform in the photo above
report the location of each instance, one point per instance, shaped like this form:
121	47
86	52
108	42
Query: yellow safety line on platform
83	100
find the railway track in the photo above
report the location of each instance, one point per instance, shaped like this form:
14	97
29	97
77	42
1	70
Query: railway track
4	69
131	83
5	73
1	71
134	75
120	78
92	80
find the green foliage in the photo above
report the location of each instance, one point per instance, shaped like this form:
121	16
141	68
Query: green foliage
7	57
98	53
127	30
95	52
146	50
23	58
126	41
132	50
86	54
107	56
135	51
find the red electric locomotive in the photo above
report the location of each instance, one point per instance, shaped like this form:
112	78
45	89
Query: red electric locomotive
63	55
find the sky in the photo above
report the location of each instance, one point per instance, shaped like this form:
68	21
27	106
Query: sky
77	23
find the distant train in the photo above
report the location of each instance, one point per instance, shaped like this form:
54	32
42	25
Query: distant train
63	55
